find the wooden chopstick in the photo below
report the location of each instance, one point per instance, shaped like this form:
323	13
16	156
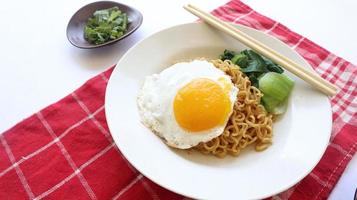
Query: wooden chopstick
306	75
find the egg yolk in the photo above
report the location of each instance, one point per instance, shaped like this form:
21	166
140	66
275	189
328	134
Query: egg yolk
201	104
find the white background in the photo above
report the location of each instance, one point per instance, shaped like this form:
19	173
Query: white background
39	66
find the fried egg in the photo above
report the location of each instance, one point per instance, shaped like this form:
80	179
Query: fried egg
187	103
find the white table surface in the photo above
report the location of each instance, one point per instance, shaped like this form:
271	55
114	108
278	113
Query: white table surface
39	66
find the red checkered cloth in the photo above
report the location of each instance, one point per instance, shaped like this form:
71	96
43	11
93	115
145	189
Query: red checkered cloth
65	151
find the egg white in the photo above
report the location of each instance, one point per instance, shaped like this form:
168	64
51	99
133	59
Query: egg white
155	102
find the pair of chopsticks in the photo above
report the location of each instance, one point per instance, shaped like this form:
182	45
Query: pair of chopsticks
306	75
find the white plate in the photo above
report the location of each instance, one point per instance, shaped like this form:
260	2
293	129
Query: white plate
300	136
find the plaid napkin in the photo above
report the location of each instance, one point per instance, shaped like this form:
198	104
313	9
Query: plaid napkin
65	151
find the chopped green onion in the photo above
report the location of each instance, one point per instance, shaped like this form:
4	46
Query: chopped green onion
104	25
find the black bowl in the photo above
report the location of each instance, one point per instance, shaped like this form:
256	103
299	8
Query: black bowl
75	27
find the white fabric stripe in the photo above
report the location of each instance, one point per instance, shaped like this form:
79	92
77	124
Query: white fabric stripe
334	171
108	136
309	56
276	197
342	112
104	77
24	158
98	155
222	12
253	22
346	105
287	193
298	43
342	81
319	71
17	168
339	148
340	121
353	121
90	161
150	190
54	188
336	127
272	28
242	16
127	162
105	133
326	63
95	121
346	100
333	69
323	66
318	180
336	69
126	188
67	156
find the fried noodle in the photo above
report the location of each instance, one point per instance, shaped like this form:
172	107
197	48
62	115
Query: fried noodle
249	124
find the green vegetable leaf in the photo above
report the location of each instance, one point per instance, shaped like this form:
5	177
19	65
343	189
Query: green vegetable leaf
276	89
227	55
276	85
252	64
256	62
254	80
107	24
241	60
273	67
125	21
113	15
273	106
269	103
265	75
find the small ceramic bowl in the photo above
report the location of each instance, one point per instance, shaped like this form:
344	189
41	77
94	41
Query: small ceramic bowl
75	27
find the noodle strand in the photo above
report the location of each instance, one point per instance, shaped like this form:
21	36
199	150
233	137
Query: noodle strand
249	122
